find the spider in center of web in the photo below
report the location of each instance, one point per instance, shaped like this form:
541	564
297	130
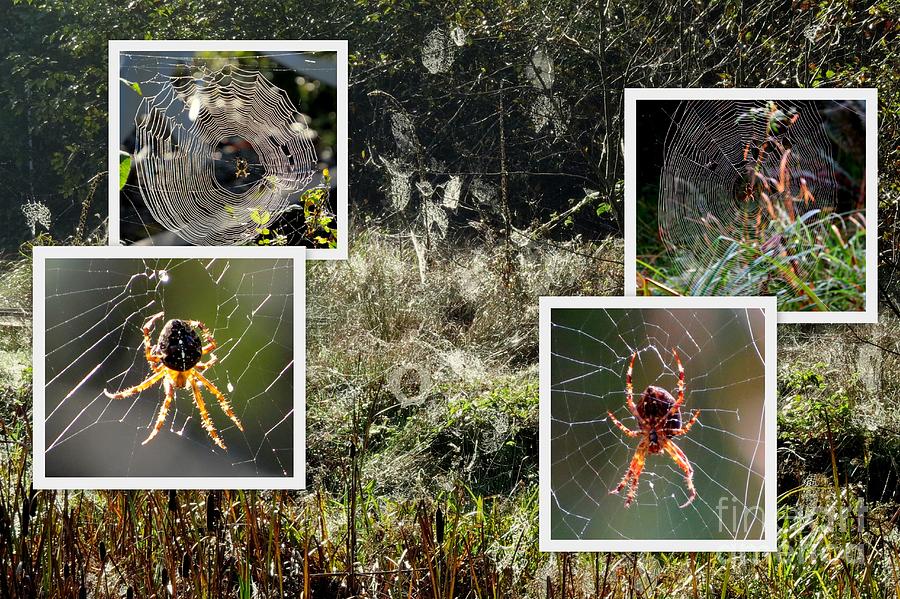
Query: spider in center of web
658	415
175	360
242	168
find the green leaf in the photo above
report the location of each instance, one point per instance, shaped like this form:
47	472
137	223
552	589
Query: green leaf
133	85
829	73
124	168
603	208
260	219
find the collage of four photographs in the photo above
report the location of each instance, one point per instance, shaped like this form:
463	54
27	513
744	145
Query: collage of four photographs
491	300
229	162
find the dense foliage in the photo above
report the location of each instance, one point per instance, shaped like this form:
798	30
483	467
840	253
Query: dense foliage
541	144
518	107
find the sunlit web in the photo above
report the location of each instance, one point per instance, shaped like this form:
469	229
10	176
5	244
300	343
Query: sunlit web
722	351
217	144
94	312
732	168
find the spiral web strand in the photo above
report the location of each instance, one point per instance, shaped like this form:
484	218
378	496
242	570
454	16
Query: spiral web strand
94	313
213	147
590	352
732	170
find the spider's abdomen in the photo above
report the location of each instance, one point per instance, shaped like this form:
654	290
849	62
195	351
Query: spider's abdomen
674	420
179	346
655	403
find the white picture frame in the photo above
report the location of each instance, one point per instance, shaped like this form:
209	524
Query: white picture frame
119	47
294	481
546	498
868	95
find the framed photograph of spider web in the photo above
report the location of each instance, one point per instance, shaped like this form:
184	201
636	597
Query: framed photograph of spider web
657	424
169	368
229	143
754	192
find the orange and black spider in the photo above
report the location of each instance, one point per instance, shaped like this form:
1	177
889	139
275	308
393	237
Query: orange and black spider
242	168
658	415
175	360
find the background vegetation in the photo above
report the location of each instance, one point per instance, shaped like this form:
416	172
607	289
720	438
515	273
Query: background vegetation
431	498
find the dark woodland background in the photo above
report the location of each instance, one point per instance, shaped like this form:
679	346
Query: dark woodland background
522	102
54	89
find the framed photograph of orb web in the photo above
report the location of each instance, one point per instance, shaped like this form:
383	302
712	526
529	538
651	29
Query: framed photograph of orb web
169	368
754	192
227	143
657	424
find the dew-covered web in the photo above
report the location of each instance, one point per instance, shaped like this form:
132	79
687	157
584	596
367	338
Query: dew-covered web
438	190
733	173
722	351
220	151
95	309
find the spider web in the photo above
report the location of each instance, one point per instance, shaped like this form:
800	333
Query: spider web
221	152
94	311
722	351
718	149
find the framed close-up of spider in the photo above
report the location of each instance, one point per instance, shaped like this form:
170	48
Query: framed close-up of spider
657	424
168	368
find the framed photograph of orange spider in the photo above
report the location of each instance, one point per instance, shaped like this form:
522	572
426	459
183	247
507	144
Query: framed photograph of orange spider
657	424
168	368
754	192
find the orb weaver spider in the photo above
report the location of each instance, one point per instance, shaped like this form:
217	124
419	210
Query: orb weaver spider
243	168
175	360
658	415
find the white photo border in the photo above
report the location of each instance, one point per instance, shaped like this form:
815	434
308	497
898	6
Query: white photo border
769	542
117	47
297	481
869	95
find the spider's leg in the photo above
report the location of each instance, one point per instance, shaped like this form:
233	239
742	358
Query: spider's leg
680	399
163	410
629	389
204	415
220	397
201	366
622	427
148	382
687	426
634	473
207	336
676	454
148	345
148	324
